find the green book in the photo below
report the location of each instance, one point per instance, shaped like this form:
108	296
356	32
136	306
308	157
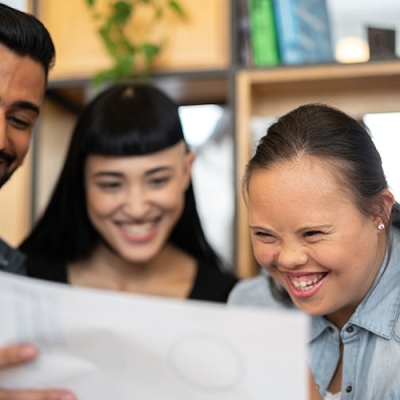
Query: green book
264	41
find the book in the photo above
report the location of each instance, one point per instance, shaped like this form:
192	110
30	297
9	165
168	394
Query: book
243	30
382	43
264	42
303	31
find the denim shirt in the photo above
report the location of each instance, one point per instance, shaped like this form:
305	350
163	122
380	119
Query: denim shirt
12	260
371	337
371	340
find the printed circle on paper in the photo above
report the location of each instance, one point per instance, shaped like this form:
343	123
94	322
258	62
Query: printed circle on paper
206	362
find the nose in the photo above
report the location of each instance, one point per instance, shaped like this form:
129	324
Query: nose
136	203
291	256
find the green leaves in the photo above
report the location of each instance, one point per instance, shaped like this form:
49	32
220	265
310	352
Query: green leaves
129	56
150	51
174	6
122	12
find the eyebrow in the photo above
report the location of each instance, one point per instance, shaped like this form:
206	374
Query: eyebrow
304	228
108	173
118	174
314	227
158	169
260	228
27	105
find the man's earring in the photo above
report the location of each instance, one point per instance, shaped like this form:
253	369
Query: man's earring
381	226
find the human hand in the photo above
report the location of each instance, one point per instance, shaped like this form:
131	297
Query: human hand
19	354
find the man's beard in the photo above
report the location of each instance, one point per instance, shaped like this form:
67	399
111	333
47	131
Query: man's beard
5	178
7	160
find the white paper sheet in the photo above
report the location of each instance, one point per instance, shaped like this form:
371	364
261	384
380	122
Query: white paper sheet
105	345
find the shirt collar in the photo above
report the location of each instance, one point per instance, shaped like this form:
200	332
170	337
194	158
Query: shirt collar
383	299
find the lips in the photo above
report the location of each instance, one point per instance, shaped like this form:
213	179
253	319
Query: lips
138	229
305	283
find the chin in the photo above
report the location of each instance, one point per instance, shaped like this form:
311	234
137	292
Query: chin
137	260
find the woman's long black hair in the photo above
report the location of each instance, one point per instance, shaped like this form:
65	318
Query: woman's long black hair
124	120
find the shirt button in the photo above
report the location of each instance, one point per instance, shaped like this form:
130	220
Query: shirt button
349	329
330	329
349	389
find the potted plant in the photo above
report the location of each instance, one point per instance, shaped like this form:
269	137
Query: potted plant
130	32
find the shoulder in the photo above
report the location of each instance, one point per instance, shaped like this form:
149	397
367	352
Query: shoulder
212	284
254	292
42	268
11	259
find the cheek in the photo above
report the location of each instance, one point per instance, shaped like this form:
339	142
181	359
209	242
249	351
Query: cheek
172	199
264	254
99	205
21	145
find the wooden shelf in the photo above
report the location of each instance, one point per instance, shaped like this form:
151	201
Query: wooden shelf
355	88
200	43
185	87
198	66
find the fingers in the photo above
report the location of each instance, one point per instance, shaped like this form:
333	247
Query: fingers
16	354
19	354
36	395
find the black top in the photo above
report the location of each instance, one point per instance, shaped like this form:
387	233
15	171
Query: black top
11	260
210	284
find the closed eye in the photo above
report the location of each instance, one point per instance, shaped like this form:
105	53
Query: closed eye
156	182
19	123
109	185
313	236
312	233
264	236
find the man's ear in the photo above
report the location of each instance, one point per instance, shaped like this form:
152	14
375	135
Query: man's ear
188	165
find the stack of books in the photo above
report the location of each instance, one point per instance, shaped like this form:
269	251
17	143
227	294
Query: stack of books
286	32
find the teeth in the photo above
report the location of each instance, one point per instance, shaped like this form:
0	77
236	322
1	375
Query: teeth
305	286
138	229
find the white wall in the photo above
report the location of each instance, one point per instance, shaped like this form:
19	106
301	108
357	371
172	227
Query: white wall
351	17
19	4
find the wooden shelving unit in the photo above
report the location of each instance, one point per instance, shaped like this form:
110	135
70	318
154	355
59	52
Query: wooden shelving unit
199	66
355	88
197	44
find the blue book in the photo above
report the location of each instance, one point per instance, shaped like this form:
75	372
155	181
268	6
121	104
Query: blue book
303	31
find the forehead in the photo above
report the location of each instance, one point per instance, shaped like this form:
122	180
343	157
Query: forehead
170	158
22	79
307	184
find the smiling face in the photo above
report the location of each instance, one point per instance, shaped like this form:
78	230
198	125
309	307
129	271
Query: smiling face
310	236
22	86
134	202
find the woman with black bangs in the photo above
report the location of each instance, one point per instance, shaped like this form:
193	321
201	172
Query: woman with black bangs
123	215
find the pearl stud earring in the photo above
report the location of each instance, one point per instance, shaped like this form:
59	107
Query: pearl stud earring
381	226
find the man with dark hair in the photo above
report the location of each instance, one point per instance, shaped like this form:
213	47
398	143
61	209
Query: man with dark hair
26	55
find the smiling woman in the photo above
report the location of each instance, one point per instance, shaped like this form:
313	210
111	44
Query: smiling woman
123	214
325	228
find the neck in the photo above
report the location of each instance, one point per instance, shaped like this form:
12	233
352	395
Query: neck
107	261
170	273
